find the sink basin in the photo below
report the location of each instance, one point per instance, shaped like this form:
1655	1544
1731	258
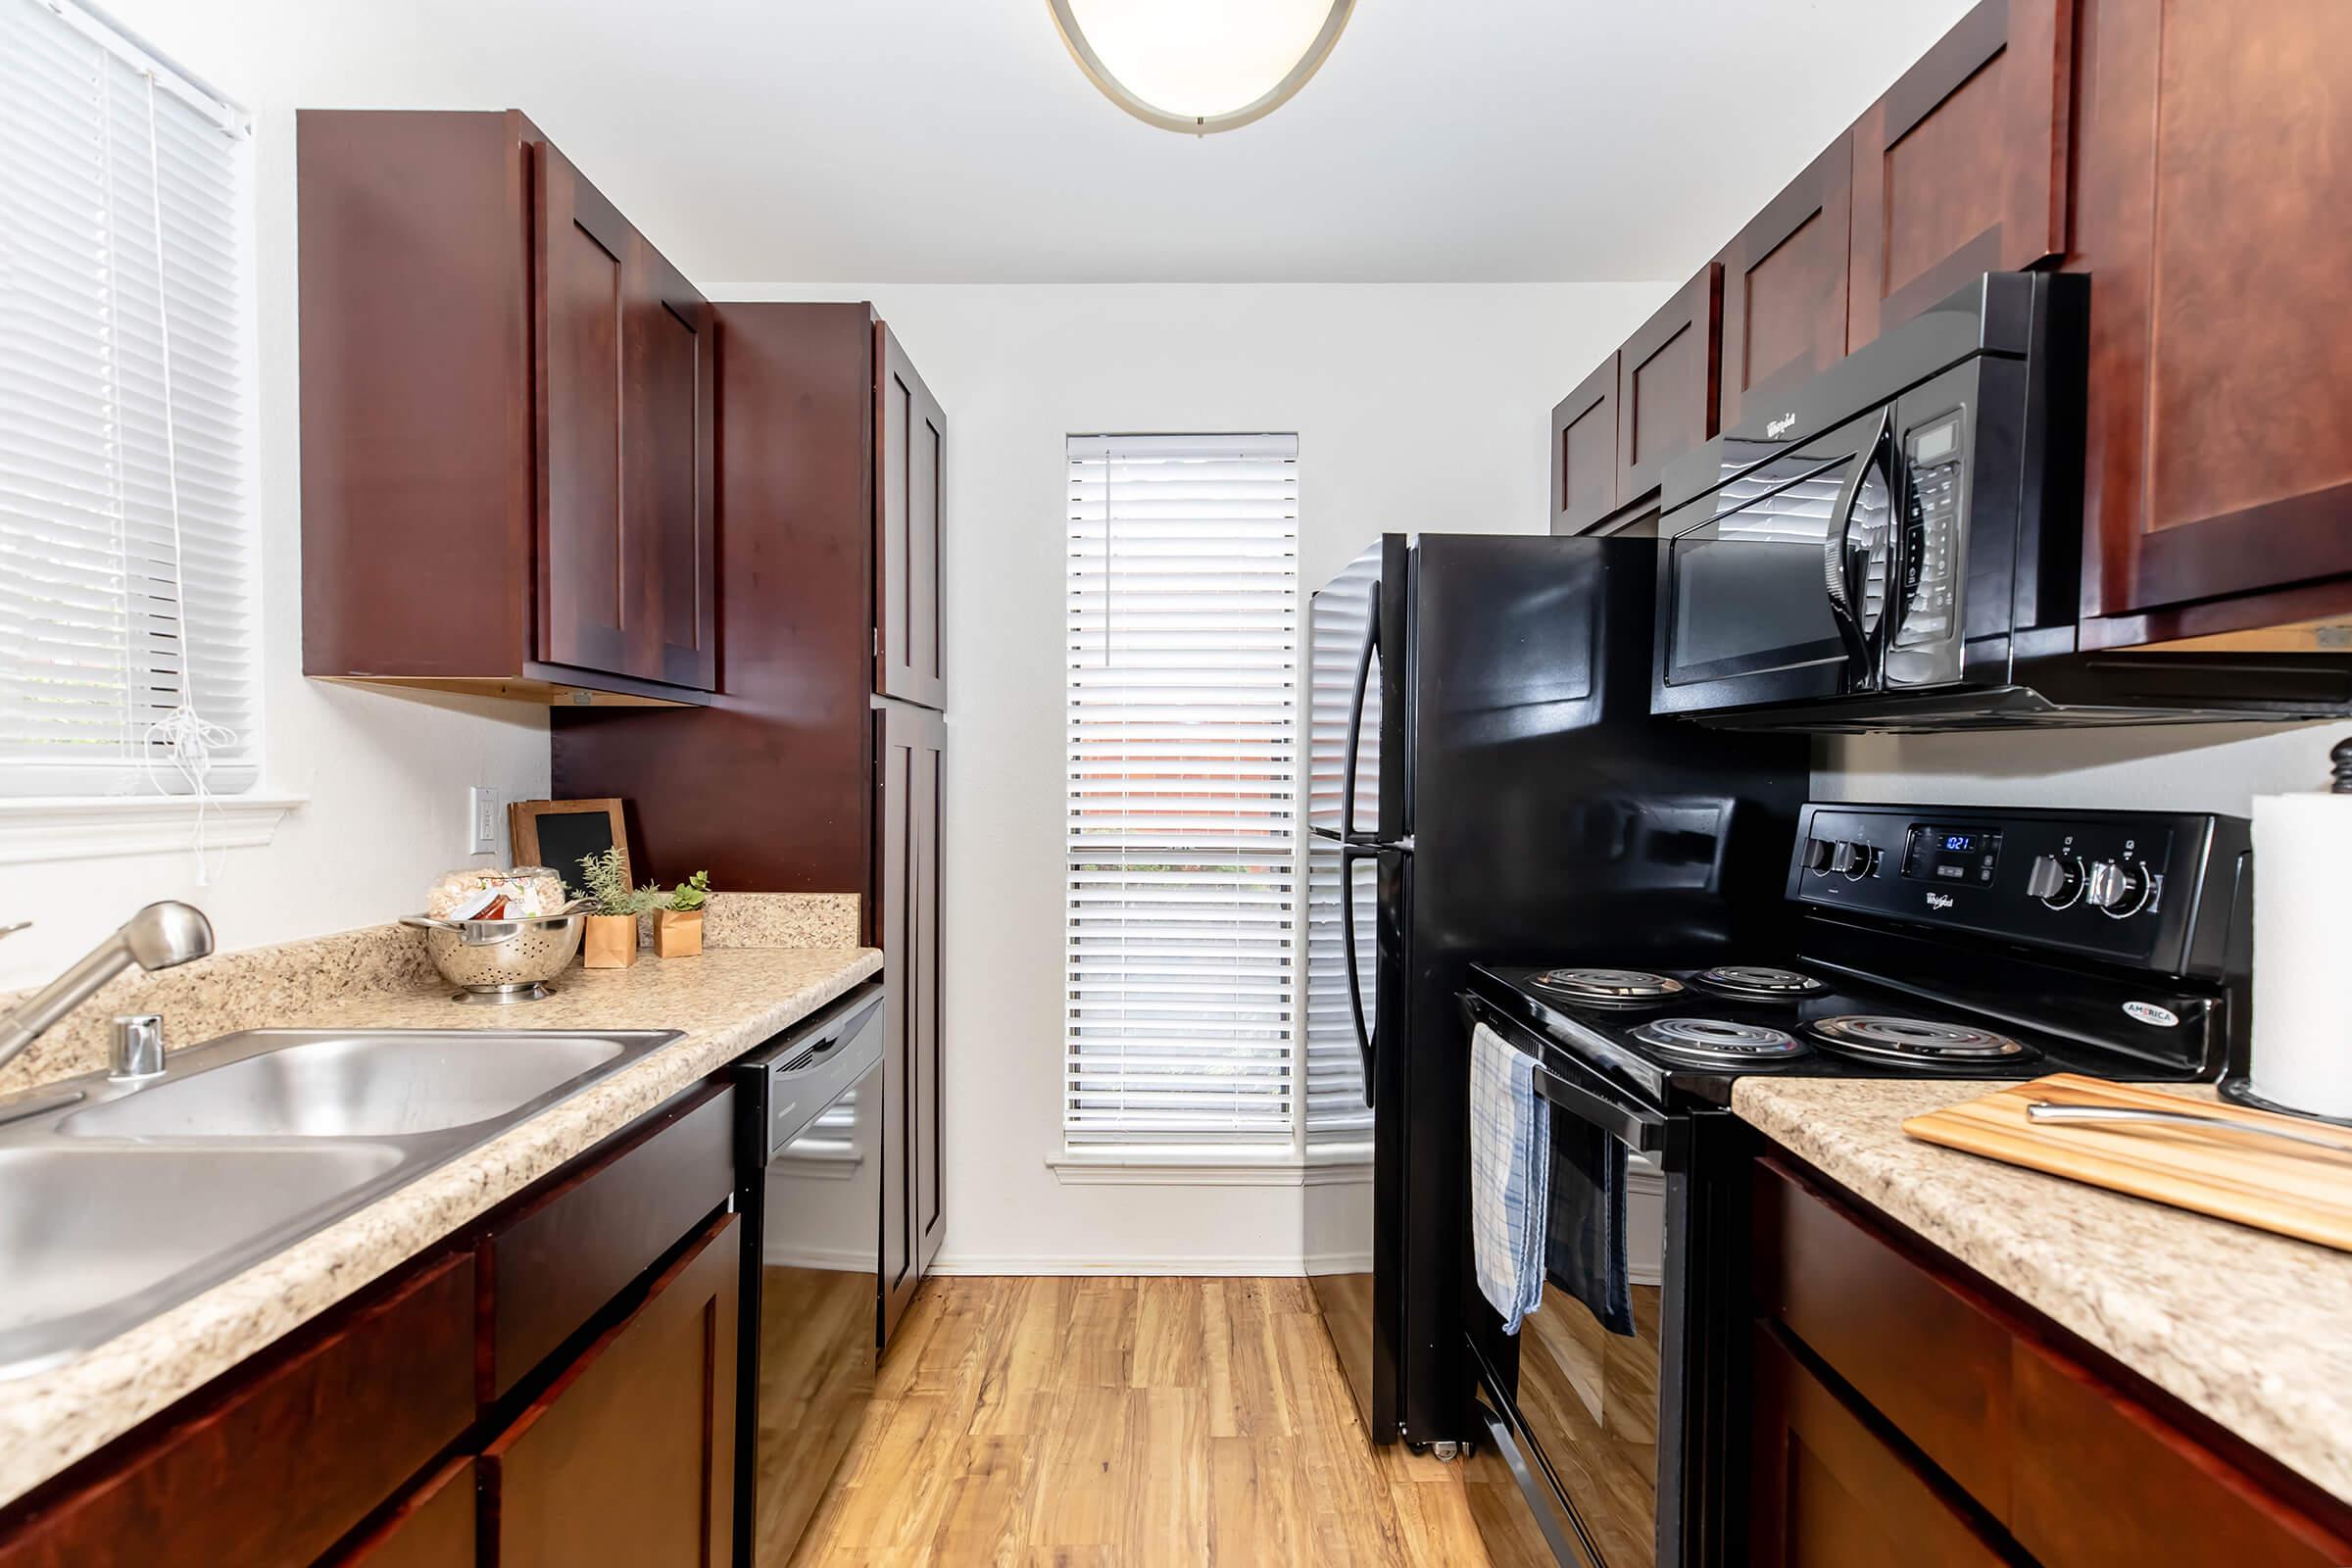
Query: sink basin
118	1201
386	1084
122	1233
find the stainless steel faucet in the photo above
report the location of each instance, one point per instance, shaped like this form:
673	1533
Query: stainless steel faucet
156	938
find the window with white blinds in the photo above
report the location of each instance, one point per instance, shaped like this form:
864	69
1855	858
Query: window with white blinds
1182	690
115	615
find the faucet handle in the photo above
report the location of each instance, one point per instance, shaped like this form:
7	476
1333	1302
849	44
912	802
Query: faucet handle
12	930
137	1050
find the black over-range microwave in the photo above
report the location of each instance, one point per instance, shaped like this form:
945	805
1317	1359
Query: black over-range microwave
1897	546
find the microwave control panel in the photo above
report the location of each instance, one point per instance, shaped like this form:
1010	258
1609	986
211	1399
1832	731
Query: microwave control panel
1925	649
2129	887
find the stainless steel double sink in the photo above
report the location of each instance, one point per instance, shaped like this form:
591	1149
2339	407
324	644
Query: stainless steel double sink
120	1201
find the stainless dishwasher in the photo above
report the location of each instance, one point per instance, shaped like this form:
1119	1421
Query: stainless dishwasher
810	1193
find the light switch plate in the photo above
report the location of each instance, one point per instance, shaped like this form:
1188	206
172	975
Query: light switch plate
483	815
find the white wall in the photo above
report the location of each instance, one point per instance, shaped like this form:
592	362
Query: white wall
1417	407
2195	768
386	776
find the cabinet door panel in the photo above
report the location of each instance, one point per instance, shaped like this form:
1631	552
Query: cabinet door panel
929	1175
1784	287
435	1527
1583	451
1829	1492
911	451
2210	216
894	893
583	259
1669	391
668	470
630	1456
1961	168
280	1458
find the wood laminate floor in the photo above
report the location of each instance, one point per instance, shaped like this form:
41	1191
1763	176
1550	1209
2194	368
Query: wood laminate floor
1127	1421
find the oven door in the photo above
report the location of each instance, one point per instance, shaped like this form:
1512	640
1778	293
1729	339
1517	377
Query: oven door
1776	584
1592	1413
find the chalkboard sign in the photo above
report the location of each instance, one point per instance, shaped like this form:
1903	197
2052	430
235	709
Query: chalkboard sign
559	833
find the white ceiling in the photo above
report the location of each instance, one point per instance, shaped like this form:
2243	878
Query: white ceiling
954	141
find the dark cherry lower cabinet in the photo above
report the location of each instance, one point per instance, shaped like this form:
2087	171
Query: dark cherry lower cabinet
627	1457
1827	1492
403	1429
1905	1410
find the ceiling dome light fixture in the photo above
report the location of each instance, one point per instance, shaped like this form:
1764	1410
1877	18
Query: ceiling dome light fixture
1201	66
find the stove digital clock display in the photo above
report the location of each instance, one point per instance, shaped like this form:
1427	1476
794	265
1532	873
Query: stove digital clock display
1966	855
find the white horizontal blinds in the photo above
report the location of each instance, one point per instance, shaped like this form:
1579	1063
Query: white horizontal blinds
1336	1113
97	642
1182	674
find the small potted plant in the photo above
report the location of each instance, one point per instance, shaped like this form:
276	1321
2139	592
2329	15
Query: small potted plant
612	938
678	917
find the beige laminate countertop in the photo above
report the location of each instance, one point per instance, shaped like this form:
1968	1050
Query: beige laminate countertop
727	1001
2252	1329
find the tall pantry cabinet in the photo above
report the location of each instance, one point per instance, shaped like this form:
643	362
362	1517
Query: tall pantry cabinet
816	764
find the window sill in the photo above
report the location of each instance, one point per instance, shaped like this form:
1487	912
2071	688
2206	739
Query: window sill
53	828
1210	1168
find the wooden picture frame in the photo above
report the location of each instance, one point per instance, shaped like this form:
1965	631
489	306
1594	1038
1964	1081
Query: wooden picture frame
528	822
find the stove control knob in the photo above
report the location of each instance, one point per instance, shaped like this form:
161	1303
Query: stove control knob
2056	880
1854	860
2117	889
1818	854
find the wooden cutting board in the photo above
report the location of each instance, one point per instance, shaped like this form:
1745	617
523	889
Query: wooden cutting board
2298	1192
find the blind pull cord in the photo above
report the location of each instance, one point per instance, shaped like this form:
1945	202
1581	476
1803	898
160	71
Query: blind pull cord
185	734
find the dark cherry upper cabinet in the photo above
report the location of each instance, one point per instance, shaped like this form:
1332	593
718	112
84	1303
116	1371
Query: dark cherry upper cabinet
1667	383
1961	168
913	744
626	390
2210	212
1784	287
1583	451
909	473
508	421
630	1456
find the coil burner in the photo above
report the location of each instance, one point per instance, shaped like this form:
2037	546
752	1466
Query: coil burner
1915	1041
1718	1042
1757	983
1608	988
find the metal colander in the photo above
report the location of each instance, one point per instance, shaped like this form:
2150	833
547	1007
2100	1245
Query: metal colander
501	960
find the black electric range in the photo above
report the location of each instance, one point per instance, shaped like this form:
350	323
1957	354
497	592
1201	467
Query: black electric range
1923	941
1680	1035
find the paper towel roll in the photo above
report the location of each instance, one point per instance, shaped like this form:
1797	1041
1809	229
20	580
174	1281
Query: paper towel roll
2301	1056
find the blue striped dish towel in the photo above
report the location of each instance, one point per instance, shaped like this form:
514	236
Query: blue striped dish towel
1510	1176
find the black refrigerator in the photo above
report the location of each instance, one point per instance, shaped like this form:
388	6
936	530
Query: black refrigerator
1486	783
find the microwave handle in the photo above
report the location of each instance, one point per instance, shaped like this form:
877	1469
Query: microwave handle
1839	562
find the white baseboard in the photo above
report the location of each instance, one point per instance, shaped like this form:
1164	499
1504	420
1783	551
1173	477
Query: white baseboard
1205	1267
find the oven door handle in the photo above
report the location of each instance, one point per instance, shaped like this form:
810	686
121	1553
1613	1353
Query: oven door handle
1641	1131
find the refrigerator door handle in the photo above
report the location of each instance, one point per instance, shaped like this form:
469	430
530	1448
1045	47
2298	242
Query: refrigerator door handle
1355	721
1350	853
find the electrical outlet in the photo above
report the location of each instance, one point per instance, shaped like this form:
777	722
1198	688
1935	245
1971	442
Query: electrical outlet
483	815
